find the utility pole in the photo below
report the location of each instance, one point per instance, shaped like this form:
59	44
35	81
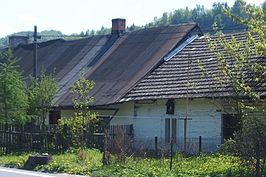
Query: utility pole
187	100
35	53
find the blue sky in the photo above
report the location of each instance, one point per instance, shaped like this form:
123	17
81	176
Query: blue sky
74	16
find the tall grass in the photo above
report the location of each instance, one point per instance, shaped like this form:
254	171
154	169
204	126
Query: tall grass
89	162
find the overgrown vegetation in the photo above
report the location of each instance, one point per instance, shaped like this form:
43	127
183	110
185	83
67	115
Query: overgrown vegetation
245	76
70	163
83	117
13	97
14	160
203	165
209	165
40	95
19	103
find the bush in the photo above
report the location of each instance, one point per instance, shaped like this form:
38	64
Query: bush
13	160
228	147
70	163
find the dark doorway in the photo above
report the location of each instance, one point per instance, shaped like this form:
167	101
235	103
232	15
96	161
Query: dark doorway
54	115
230	124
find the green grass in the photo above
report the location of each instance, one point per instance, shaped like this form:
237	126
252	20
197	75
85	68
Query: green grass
14	160
72	163
196	166
209	165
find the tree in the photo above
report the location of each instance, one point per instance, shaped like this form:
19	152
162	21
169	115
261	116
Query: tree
81	34
264	7
239	70
13	97
103	31
83	118
164	20
40	93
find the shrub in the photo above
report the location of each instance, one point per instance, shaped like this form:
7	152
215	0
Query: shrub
228	147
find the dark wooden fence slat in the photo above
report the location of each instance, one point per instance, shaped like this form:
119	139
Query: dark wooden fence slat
29	138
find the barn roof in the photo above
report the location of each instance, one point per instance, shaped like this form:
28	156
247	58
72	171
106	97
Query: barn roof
114	62
190	73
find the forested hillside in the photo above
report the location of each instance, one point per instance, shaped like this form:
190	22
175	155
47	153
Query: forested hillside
45	35
205	18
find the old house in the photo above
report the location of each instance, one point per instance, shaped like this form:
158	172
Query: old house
147	79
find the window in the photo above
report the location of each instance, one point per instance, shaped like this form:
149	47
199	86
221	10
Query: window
170	130
170	107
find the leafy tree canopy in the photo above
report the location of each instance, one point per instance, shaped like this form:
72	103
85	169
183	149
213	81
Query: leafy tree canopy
83	119
242	66
40	93
13	97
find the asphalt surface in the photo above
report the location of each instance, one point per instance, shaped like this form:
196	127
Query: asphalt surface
12	172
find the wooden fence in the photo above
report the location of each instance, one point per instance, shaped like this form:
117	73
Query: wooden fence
16	138
31	138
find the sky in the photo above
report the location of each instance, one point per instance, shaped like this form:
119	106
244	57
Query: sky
74	16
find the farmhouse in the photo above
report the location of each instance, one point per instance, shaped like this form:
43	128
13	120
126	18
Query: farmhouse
149	80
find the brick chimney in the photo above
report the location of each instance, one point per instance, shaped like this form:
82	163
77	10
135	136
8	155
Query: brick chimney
14	41
118	25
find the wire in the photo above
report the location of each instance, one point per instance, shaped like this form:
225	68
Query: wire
179	117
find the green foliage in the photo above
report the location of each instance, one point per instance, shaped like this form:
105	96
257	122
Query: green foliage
203	165
251	143
71	164
228	147
45	36
103	31
218	165
3	42
264	7
203	17
83	118
13	160
67	162
13	98
236	64
40	93
81	94
240	71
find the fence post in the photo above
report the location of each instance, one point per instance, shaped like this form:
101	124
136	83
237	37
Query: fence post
156	146
171	154
106	155
200	145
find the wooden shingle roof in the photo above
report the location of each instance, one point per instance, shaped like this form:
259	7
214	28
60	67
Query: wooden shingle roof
182	76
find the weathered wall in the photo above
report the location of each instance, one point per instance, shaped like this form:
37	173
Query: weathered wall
204	120
148	119
124	115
